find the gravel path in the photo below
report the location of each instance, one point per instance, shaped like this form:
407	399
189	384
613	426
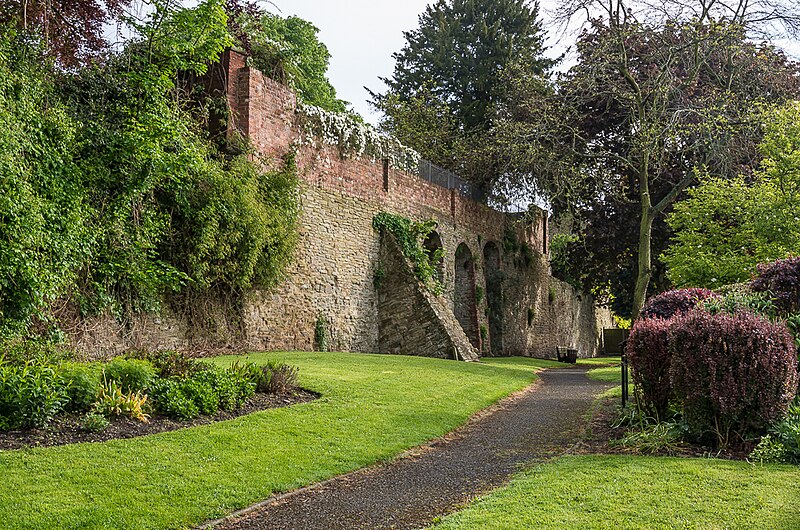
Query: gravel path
540	422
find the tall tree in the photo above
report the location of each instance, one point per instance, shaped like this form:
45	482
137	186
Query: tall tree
645	106
727	227
287	50
71	30
448	78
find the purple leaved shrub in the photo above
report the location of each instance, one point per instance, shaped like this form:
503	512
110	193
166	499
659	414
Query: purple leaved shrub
675	302
648	353
781	279
732	375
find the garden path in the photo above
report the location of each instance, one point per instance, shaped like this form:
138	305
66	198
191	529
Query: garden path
540	422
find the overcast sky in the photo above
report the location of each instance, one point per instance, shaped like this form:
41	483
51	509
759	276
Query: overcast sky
361	36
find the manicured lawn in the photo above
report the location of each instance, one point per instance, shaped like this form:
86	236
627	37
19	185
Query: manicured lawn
372	408
608	374
610	492
601	361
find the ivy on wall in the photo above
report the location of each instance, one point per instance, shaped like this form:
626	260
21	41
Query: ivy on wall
409	235
111	194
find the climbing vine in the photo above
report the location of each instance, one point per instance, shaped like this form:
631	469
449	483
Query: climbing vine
409	235
111	194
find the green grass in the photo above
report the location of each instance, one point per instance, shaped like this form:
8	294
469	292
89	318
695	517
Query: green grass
608	374
601	361
609	492
372	408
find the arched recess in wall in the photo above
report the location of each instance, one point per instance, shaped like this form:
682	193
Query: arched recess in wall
431	244
464	306
494	295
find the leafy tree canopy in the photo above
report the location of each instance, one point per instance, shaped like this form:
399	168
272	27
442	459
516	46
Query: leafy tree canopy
70	30
624	133
448	79
287	50
727	227
113	194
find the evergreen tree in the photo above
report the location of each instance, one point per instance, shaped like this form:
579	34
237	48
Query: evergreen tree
448	78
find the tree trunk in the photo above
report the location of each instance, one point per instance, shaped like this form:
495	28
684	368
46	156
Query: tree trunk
644	270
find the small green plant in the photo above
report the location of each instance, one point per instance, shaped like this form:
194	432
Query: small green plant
321	337
378	276
82	384
170	399
478	294
30	394
768	451
278	378
531	315
133	375
171	363
94	422
409	236
551	294
112	402
661	437
484	332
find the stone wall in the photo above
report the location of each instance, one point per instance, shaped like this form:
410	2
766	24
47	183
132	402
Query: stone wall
333	274
413	321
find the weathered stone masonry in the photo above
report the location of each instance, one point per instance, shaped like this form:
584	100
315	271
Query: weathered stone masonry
522	310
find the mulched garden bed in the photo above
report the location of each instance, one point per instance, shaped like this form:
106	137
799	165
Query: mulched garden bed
65	429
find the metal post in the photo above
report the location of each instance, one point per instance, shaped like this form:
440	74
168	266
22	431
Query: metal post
624	378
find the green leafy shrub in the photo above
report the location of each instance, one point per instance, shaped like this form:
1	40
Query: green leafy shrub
170	399
649	356
30	394
231	386
787	433
132	375
169	363
82	384
769	450
204	392
738	300
732	375
94	422
40	352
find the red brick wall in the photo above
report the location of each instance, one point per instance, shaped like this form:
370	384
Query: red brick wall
265	112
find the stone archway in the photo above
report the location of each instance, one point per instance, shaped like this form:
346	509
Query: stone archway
431	244
464	305
494	295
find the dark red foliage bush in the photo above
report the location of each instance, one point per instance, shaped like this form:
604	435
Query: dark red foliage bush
782	280
732	375
675	302
647	349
